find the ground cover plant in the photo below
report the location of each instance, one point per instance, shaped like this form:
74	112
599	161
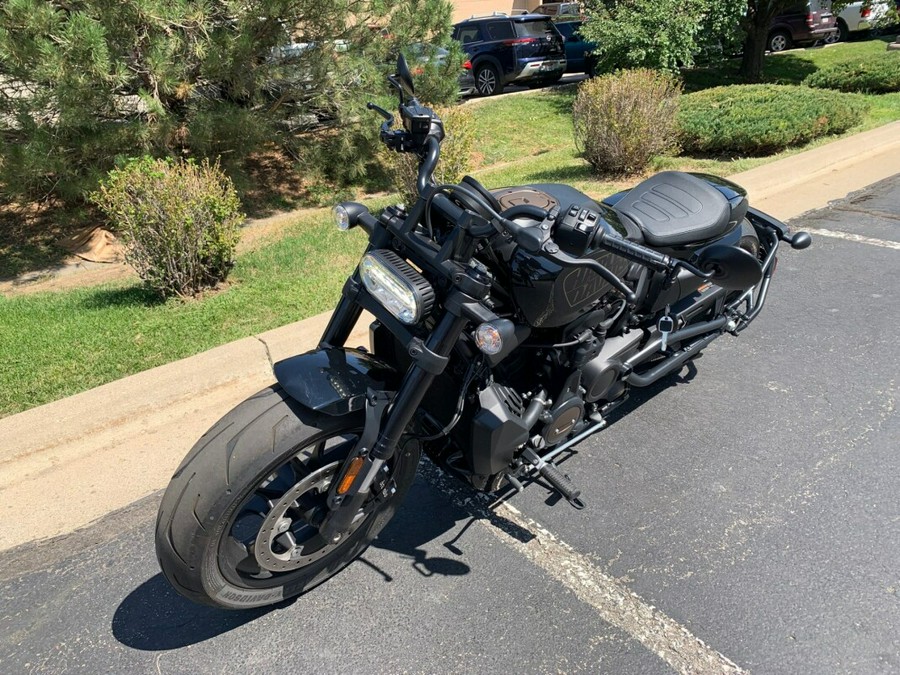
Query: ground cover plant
872	74
757	119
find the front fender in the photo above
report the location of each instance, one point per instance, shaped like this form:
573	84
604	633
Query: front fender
334	380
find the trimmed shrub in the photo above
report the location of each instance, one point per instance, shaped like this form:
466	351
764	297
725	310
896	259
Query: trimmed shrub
456	154
759	119
874	74
622	120
178	220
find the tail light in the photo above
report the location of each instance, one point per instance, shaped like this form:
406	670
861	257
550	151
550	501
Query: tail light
864	12
520	41
810	20
467	65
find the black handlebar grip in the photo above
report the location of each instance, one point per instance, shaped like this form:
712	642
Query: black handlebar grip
635	252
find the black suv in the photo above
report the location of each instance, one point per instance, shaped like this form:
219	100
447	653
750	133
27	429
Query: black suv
525	49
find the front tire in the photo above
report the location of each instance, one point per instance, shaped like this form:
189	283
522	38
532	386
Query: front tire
237	524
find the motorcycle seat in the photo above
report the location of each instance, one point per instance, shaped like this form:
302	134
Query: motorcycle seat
674	208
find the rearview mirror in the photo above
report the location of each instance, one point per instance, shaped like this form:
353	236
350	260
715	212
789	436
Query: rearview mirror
405	77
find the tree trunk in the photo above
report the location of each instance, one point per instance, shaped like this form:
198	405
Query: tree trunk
754	52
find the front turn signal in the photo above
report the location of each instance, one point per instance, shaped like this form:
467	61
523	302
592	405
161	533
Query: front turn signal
356	465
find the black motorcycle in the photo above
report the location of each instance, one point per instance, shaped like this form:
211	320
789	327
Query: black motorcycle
509	324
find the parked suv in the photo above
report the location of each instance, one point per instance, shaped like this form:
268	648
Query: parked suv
802	24
502	49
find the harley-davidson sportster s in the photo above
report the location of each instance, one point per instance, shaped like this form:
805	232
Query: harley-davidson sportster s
509	323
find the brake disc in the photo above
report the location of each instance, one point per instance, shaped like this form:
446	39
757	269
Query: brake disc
286	543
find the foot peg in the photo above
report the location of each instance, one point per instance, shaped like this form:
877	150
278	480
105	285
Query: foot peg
560	481
562	484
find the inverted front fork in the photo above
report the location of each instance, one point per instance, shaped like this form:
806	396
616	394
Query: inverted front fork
386	419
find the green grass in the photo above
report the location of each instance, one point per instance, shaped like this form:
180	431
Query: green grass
57	344
514	126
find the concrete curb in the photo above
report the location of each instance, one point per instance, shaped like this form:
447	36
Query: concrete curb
103	449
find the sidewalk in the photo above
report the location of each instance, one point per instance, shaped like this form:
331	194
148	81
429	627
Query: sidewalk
103	449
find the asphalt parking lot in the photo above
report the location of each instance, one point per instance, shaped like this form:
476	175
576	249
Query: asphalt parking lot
743	514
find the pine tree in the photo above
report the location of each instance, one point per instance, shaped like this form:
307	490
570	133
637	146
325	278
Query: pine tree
87	83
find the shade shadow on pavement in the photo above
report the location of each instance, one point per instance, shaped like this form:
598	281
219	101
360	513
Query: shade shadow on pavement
154	617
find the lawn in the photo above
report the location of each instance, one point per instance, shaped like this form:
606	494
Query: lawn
57	344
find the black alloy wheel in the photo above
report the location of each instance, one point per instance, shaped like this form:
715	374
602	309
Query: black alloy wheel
238	526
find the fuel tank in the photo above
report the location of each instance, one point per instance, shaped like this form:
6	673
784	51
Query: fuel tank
550	295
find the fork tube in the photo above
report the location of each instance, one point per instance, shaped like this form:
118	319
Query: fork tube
414	387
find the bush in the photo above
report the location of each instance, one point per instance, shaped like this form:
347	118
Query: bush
179	222
623	119
456	154
875	74
759	119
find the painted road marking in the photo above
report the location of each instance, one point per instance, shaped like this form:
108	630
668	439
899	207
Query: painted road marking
616	604
849	236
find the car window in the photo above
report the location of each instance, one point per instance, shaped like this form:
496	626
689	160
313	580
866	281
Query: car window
499	30
568	28
469	34
538	29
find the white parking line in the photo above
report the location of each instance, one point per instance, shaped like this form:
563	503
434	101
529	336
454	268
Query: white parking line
858	238
612	600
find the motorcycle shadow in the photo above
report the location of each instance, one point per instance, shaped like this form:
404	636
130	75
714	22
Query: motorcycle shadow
153	617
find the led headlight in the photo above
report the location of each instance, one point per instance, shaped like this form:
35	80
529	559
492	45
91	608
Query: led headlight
397	286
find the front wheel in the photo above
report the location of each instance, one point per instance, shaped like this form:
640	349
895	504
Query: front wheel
238	524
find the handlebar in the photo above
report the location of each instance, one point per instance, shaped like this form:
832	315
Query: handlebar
432	154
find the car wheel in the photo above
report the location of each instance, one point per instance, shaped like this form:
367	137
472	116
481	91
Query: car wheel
843	31
487	80
840	35
778	41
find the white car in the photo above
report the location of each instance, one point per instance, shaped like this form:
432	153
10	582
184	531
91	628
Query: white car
859	16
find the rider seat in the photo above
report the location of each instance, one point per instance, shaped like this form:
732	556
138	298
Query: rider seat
674	208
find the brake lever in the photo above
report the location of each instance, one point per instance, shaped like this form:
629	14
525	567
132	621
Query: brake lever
381	111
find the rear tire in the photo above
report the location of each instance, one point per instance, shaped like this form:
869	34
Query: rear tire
839	36
267	458
487	80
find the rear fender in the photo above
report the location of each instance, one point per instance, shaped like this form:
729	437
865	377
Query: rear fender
334	380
